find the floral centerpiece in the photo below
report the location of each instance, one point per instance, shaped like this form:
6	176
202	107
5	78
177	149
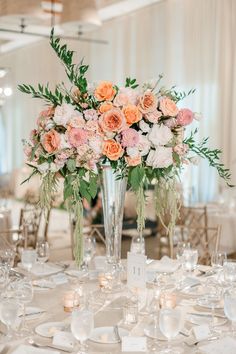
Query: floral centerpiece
139	131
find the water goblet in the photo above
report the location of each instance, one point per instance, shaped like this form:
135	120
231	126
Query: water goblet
229	269
218	259
170	323
9	309
42	249
28	258
82	325
23	292
7	257
190	258
230	308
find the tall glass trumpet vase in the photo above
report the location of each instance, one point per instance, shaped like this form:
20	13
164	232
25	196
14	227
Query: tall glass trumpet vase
113	188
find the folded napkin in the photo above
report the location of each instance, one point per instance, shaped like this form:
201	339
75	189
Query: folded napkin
44	270
225	345
64	340
44	283
59	278
165	265
189	282
27	349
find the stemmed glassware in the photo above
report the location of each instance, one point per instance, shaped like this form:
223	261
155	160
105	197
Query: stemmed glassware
23	292
190	259
43	252
7	257
28	258
89	249
82	325
230	308
170	322
9	310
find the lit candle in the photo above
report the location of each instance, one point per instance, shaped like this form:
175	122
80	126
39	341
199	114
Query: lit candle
168	300
70	300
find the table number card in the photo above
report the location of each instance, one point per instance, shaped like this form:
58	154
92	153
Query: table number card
136	270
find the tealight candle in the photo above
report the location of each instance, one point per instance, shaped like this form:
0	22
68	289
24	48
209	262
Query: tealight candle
105	281
168	300
70	300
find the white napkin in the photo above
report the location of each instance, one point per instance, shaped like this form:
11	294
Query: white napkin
165	265
189	282
27	349
59	279
63	340
46	269
225	345
44	283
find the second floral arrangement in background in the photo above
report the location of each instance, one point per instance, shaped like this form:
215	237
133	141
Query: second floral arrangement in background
139	131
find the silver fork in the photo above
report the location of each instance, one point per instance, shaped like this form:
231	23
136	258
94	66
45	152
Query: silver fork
116	332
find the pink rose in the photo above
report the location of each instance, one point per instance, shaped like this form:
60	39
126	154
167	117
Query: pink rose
64	113
125	96
184	117
133	161
161	157
168	107
130	138
153	117
147	102
121	99
144	145
170	123
77	137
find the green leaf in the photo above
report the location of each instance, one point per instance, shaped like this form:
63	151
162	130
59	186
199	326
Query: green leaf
71	165
136	176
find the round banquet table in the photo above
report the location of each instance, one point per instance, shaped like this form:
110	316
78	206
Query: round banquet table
109	314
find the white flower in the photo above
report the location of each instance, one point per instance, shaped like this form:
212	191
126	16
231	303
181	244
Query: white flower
197	116
64	144
144	144
144	126
132	94
160	135
194	160
95	144
160	157
43	167
50	124
64	113
132	151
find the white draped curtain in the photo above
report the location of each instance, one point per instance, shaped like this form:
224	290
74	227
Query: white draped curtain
193	43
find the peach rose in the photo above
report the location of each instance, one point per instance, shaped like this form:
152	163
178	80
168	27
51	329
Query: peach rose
104	107
147	102
168	107
132	114
133	161
112	121
112	149
51	141
105	91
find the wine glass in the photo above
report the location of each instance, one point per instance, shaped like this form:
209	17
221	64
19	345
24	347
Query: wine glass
42	249
82	324
9	309
190	258
28	258
7	257
23	291
230	307
181	246
218	259
170	323
229	268
3	277
137	244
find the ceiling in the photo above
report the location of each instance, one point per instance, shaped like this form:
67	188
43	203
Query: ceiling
11	14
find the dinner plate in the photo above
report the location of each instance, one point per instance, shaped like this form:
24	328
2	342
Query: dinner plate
48	329
31	313
28	349
76	273
155	333
106	335
196	290
205	302
200	320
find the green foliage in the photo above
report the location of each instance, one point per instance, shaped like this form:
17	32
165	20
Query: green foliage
211	155
132	83
175	95
43	92
136	177
75	73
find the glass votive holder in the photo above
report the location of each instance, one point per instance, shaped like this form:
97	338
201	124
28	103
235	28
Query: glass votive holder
130	312
105	281
167	300
70	300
